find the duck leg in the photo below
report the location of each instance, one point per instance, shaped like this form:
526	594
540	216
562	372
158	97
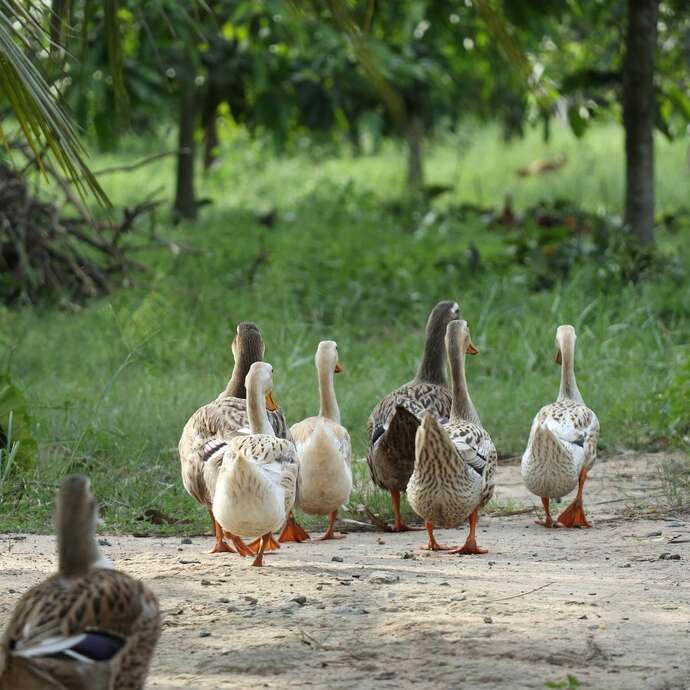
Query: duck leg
330	532
265	543
548	520
470	545
399	525
239	545
259	560
293	531
574	514
221	545
433	545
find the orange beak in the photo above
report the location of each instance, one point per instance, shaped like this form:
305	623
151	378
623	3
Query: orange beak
471	349
559	360
339	368
271	404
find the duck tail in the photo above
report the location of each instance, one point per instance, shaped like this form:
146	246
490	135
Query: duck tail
547	444
429	438
403	428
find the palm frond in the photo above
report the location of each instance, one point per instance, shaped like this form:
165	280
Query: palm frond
36	109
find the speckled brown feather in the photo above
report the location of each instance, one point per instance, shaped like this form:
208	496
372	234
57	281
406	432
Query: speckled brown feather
445	486
391	458
103	600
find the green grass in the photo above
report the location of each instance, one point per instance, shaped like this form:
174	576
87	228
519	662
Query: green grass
110	385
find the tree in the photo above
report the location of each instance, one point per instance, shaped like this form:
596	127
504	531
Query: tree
638	118
44	123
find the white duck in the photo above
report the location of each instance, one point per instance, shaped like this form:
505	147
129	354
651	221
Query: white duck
324	450
562	445
257	480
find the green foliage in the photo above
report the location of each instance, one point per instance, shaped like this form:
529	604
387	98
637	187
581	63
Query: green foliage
16	437
8	453
41	118
111	385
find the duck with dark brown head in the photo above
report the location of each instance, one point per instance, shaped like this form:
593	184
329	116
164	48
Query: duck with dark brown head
213	425
393	423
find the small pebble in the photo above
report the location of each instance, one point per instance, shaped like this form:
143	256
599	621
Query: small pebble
204	633
301	600
669	557
379	577
337	559
488	619
104	542
185	540
252	601
206	583
224	600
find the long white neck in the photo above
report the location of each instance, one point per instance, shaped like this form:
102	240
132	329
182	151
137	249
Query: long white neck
328	404
257	413
462	407
568	389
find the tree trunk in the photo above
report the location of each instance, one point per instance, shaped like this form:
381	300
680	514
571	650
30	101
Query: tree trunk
210	141
185	201
415	164
638	119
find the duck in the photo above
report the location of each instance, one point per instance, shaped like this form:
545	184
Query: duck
455	460
87	627
562	445
212	425
393	423
257	481
324	449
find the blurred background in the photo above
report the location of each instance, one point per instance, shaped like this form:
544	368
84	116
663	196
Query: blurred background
331	169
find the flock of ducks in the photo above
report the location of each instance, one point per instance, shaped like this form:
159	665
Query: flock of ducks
90	626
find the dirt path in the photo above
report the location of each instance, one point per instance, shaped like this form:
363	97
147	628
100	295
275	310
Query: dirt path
374	611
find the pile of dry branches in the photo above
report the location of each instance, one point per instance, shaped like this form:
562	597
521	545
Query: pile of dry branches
50	250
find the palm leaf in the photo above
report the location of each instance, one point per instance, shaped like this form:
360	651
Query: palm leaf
40	116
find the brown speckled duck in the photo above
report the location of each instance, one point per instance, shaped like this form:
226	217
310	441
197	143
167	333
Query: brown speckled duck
393	423
88	627
455	462
562	445
216	423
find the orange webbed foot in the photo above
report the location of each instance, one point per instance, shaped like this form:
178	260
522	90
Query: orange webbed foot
222	547
545	523
271	544
293	531
573	516
469	548
330	534
404	527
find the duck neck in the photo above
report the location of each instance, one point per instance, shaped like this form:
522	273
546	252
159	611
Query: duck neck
257	413
77	547
462	407
568	387
431	368
236	387
328	403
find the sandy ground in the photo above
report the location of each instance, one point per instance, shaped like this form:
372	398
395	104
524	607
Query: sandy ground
373	611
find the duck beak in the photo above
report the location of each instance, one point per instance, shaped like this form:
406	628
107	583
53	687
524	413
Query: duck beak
271	404
472	349
559	359
339	368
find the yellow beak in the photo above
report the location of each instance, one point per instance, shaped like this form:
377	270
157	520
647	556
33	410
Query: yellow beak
271	404
472	349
